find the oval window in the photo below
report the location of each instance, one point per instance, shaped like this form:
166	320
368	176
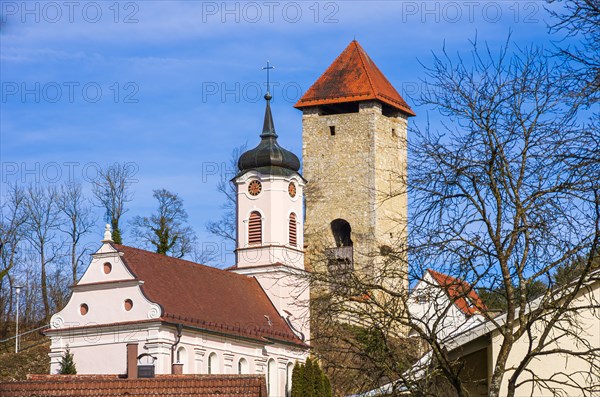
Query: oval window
128	304
83	309
107	268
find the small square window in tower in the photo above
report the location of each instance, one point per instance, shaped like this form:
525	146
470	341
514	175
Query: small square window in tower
332	130
255	229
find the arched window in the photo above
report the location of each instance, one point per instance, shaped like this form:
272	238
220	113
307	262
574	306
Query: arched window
341	259
288	379
293	240
242	366
341	233
181	358
213	363
255	229
272	378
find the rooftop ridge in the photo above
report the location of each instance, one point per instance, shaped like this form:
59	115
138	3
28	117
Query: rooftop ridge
362	60
180	260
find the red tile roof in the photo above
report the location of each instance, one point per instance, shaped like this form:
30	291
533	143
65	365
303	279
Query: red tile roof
353	76
208	298
112	385
460	292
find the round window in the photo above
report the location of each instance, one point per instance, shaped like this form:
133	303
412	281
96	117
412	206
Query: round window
128	304
107	268
83	309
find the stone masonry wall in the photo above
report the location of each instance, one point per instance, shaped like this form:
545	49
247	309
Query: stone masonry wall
357	175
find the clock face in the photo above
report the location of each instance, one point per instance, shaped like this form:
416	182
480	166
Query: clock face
254	188
292	189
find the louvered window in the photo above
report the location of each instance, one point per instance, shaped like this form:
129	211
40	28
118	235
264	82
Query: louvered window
255	229
293	238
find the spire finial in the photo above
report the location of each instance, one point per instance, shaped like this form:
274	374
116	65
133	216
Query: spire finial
107	235
267	68
268	154
268	125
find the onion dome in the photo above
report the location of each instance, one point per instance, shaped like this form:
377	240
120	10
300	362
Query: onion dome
268	157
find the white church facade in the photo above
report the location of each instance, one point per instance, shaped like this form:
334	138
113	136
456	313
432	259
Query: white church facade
183	317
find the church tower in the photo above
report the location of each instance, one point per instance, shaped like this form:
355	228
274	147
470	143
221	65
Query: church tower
270	217
354	130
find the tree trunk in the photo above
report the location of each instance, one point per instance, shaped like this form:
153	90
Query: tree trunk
44	286
499	370
9	307
74	261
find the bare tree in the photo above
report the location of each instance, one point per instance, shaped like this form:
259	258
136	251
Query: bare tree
112	190
12	234
580	21
58	287
225	228
78	223
205	254
12	222
502	196
29	276
43	219
167	230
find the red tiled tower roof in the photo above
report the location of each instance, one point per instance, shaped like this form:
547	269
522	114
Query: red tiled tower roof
352	77
206	297
460	292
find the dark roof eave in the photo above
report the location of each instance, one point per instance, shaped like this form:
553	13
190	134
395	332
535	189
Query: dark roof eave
271	170
300	105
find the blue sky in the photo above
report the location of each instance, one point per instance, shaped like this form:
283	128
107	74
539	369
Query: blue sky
172	86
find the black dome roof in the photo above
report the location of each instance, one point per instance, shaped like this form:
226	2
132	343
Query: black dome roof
268	157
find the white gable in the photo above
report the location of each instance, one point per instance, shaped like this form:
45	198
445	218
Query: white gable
96	272
429	301
106	294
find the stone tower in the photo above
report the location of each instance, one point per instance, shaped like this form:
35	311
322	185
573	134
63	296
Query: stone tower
270	217
354	151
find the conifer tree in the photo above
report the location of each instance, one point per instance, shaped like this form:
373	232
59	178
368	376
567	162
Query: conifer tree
67	365
327	392
297	380
308	380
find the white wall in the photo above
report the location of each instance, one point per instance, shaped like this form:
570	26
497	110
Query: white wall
105	296
275	205
436	305
103	351
551	366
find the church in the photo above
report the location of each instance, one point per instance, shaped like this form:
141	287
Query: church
172	316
